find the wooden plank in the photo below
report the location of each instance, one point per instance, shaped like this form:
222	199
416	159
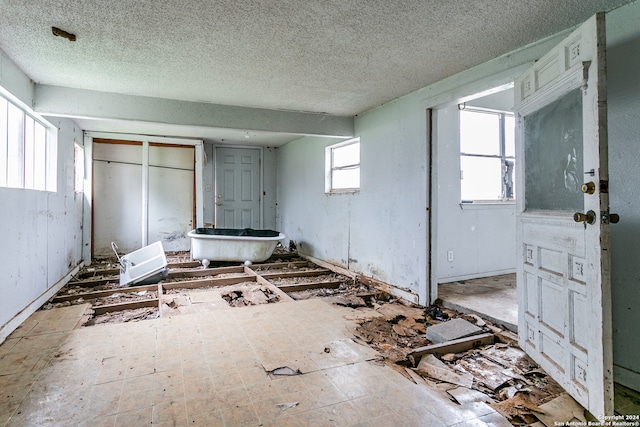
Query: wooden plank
89	283
332	267
205	272
454	346
255	267
283	296
387	288
101	294
97	272
125	306
306	286
202	283
187	264
309	273
284	256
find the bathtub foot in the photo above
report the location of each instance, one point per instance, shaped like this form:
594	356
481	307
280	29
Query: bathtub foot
205	263
247	263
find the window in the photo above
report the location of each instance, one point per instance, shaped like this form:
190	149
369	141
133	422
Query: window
78	156
28	150
487	155
342	164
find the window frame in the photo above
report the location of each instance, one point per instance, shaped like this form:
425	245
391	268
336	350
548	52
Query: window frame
330	168
502	156
34	165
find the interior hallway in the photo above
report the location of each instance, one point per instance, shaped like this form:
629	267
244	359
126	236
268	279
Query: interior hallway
209	368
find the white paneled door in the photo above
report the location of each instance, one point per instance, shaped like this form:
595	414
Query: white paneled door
563	221
237	195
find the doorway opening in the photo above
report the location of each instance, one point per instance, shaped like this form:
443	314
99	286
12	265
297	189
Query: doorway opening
474	186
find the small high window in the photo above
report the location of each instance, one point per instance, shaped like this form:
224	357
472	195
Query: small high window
342	167
28	150
487	155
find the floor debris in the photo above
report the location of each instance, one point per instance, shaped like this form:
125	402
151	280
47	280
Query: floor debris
288	405
451	330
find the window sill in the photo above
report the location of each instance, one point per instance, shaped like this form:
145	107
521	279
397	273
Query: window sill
338	192
492	204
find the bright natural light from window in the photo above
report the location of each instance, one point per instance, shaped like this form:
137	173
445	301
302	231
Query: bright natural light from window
28	150
343	166
79	167
487	155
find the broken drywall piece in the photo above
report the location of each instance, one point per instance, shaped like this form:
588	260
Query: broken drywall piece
485	371
519	408
561	410
432	360
464	395
446	375
479	321
451	330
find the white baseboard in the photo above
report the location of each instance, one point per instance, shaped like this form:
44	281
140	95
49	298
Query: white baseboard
626	377
17	320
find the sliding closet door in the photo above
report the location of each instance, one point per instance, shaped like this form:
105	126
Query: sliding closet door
171	195
117	195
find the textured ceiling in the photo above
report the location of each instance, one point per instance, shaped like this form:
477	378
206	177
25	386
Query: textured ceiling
341	57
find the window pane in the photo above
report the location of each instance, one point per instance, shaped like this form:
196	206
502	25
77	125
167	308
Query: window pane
553	146
479	133
15	145
481	178
40	172
509	136
51	171
28	152
345	179
347	155
3	142
79	167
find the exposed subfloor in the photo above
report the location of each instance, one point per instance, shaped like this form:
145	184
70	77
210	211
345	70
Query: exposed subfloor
494	298
211	368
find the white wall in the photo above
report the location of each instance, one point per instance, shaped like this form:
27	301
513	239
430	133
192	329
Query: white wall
42	237
481	236
382	231
41	231
623	58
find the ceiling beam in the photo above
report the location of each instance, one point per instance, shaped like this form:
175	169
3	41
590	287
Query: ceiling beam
82	103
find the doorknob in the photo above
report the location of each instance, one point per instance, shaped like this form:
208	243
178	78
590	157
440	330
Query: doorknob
589	188
219	204
588	218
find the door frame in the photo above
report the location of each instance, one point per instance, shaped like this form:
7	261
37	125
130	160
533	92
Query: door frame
260	175
87	216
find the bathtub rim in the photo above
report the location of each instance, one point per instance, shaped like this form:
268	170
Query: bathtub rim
192	234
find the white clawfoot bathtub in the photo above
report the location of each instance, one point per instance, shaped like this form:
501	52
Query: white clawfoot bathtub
227	244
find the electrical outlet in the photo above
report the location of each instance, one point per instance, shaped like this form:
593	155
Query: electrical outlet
450	256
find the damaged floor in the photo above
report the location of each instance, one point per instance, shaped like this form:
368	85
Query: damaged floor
213	368
280	343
